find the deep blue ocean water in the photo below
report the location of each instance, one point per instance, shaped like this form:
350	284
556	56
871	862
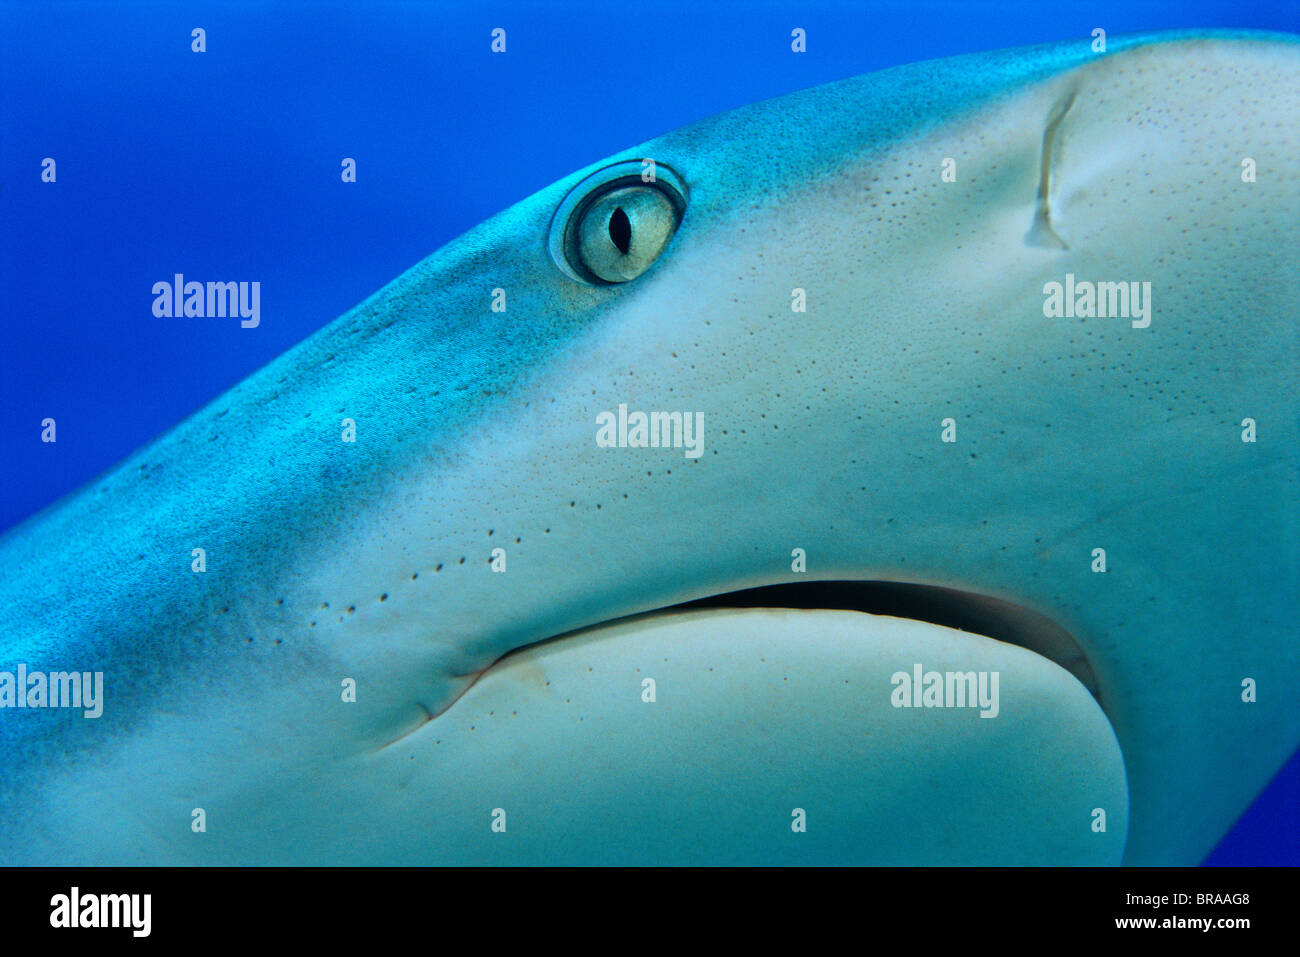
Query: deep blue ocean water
225	165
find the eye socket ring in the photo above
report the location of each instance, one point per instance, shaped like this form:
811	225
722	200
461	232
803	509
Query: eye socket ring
665	196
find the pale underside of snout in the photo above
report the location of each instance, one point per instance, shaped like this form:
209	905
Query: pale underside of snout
753	736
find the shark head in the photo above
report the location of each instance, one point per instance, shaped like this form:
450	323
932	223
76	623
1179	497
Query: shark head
975	340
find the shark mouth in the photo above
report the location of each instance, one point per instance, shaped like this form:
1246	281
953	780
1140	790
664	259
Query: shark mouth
701	732
952	608
964	611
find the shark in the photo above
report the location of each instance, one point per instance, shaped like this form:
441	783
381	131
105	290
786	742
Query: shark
936	571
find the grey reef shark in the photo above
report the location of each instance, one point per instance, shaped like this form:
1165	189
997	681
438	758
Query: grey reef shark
900	471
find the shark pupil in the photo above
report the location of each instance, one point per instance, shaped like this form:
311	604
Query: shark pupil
620	230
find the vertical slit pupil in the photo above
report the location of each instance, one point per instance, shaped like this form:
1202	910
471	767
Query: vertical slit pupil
620	230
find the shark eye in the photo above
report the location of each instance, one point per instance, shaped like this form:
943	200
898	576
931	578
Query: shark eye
613	225
623	232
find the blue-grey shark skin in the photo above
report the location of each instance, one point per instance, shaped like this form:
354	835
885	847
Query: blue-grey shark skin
475	430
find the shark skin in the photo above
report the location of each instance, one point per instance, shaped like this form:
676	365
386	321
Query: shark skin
475	429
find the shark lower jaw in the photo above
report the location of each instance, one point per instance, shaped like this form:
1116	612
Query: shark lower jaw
713	731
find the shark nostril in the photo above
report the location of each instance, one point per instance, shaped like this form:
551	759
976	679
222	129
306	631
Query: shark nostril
620	230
